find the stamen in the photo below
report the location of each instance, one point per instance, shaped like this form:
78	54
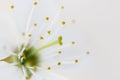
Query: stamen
49	68
51	56
23	56
35	3
59	63
35	24
51	24
23	70
41	38
88	52
63	23
32	69
69	60
53	34
29	18
59	52
73	42
28	72
21	52
28	77
35	68
76	60
65	63
62	7
47	18
12	6
49	32
61	47
29	35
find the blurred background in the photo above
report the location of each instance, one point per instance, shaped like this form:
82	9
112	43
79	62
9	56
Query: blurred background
99	22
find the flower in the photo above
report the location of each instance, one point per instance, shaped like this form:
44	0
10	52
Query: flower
31	42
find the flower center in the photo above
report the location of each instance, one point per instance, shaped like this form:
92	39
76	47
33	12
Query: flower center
27	59
30	57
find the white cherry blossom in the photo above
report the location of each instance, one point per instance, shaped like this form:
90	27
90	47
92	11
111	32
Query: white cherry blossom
34	40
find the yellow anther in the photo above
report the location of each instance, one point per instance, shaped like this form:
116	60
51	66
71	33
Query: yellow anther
73	42
28	77
12	6
76	60
62	7
35	3
59	52
49	68
47	18
29	35
63	22
88	52
23	56
49	32
35	24
41	38
59	63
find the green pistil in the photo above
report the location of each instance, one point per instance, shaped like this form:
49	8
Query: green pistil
58	41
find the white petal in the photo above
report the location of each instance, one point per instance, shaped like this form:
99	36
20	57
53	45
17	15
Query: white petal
8	72
8	31
7	27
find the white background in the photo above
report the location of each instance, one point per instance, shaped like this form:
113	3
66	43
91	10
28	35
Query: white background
100	19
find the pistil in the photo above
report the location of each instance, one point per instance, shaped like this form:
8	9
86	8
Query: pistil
58	41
